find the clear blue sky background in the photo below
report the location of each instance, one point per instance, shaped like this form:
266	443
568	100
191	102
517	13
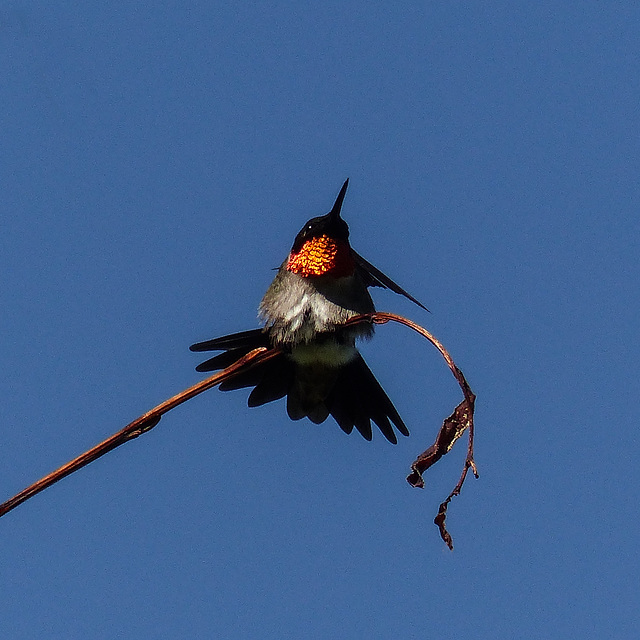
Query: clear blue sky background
156	162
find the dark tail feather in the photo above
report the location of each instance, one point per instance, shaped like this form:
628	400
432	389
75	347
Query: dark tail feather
248	340
354	400
357	398
275	383
234	346
271	379
222	360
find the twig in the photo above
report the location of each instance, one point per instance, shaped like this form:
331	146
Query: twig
136	428
452	428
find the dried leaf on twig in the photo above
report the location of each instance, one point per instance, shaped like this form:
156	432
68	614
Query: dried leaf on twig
452	428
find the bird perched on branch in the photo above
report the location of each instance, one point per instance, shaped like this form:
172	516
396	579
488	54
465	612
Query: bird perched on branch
322	284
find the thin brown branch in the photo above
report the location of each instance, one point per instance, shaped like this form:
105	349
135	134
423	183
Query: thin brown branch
136	428
452	428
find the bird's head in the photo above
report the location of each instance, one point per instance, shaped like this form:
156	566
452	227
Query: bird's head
322	245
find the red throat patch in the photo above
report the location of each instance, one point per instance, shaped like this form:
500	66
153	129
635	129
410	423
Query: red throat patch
321	256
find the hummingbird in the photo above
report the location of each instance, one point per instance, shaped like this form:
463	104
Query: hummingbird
321	284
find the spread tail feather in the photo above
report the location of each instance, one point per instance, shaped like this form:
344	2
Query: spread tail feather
234	346
357	398
350	393
243	340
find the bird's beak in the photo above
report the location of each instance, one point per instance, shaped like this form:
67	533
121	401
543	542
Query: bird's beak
335	212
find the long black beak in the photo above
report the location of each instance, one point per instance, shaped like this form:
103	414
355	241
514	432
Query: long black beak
335	212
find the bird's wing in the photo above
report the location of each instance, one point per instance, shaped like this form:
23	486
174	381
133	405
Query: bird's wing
373	277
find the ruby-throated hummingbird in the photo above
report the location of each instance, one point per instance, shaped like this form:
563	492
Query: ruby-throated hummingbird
322	283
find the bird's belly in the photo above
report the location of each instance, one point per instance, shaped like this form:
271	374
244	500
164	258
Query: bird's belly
296	310
326	353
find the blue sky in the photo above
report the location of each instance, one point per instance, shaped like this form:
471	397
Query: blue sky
157	161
